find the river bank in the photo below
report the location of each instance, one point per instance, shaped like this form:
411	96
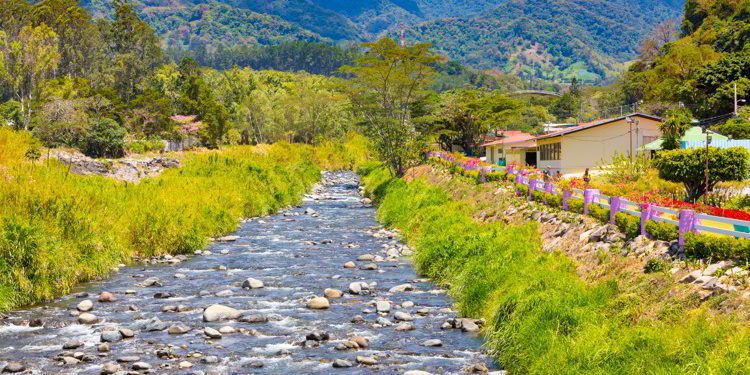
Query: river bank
556	308
264	287
58	229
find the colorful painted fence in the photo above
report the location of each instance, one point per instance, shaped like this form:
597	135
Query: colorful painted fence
685	220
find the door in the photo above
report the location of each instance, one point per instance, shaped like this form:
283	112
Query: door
531	158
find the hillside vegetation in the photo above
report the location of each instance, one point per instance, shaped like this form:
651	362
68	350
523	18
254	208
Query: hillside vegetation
544	314
58	229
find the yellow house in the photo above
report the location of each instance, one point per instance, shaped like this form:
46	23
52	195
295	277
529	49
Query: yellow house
513	148
592	144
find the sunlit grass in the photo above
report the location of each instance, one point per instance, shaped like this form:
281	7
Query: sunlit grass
58	229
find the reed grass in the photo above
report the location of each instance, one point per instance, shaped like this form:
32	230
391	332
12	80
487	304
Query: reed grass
58	229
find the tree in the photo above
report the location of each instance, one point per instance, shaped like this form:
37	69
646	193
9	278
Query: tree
106	138
388	81
29	59
677	123
687	166
737	127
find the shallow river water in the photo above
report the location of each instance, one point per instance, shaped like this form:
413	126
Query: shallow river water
297	254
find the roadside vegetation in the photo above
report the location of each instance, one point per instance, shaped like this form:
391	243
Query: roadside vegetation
58	229
543	316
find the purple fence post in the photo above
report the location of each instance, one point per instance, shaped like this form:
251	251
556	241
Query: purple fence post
565	197
588	198
549	188
687	225
646	213
614	208
532	187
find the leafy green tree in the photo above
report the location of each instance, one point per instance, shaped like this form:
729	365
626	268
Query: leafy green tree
105	138
674	128
737	127
388	81
29	59
687	166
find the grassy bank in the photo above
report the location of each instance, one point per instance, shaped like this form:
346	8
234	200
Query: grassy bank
58	229
542	316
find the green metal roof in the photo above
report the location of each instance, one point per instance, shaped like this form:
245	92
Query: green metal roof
693	134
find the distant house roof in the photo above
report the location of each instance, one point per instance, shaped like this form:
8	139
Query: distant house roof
593	124
694	134
511	138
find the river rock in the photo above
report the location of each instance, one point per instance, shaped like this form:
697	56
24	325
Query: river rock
128	359
103	348
318	303
401	288
85	305
402	316
417	372
154	324
407	304
383	306
110	336
358	287
178	329
368	361
225	293
141	366
432	343
87	318
211	333
71	345
358	319
185	365
369	267
217	312
110	368
251	283
228	238
180	276
107	297
468	325
341	363
403	327
361	341
127	333
227	330
152	282
14	367
70	361
332	293
366	258
350	265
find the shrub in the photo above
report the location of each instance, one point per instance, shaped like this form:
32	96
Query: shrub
655	265
144	146
537	196
575	205
708	246
523	189
662	231
553	200
598	212
629	225
495	176
106	138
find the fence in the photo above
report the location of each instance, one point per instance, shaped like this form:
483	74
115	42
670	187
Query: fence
717	143
686	221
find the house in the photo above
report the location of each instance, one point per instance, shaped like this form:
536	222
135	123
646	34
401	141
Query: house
589	145
511	147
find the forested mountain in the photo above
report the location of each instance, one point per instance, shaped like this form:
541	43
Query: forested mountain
543	38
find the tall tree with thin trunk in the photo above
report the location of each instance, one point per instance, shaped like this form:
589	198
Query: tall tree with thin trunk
388	81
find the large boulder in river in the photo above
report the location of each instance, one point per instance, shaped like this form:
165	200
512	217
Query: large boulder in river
251	283
215	313
318	303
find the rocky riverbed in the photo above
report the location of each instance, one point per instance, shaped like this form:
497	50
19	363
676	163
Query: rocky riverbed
317	289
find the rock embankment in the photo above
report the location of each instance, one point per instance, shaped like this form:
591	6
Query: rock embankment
125	169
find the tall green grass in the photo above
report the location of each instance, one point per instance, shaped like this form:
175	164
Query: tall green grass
542	317
58	229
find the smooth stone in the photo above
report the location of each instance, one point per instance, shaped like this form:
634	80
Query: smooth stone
383	306
369	267
152	281
103	348
128	358
350	265
333	293
139	366
69	361
211	333
342	363
318	303
70	345
127	333
107	297
185	365
361	341
225	293
227	330
403	327
179	276
417	372
432	342
14	367
368	361
110	336
178	329
251	283
110	368
401	288
365	258
87	318
407	304
217	312
85	305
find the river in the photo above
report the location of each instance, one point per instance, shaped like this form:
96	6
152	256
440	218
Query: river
296	254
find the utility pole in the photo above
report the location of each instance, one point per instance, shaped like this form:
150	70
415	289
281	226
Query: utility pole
705	182
402	35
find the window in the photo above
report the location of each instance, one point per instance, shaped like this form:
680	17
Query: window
551	151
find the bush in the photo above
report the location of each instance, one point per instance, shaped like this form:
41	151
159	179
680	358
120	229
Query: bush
575	205
708	246
495	176
629	225
106	138
537	196
522	189
662	231
598	212
553	200
144	146
655	265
